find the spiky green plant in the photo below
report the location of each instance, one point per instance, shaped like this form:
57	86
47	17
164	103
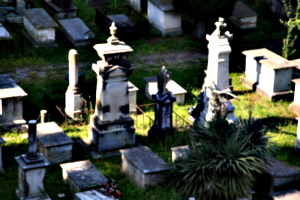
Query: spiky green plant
222	161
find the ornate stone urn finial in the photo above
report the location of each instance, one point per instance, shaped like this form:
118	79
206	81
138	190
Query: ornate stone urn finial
113	30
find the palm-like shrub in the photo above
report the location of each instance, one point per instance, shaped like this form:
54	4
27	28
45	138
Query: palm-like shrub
222	161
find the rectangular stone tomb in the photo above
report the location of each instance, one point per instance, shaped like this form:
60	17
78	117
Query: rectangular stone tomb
243	16
76	31
281	173
8	14
4	34
39	27
54	143
58	12
11	105
1	165
82	176
91	195
132	97
172	86
143	166
164	17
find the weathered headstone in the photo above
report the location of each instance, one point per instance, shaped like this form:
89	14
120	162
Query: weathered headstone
111	127
39	27
82	176
1	164
11	105
163	108
55	145
60	9
243	16
143	166
164	17
172	86
218	56
32	169
74	99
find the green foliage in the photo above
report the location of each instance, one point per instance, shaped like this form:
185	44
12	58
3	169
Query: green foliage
222	161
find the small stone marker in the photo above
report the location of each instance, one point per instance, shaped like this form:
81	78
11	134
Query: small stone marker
32	169
76	31
164	17
54	143
287	195
82	175
243	16
1	165
11	105
39	27
91	195
143	166
172	86
4	34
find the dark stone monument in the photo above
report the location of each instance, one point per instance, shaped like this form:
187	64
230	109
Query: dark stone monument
60	9
163	107
32	169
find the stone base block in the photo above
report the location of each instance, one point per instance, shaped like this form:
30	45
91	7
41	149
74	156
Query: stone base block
249	83
82	176
45	196
35	44
56	155
275	96
110	135
143	166
295	108
57	12
91	195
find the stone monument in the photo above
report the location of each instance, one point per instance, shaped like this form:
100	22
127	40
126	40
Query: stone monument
32	169
218	55
60	9
74	99
163	108
111	127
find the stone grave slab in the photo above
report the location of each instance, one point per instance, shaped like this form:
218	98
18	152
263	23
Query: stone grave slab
3	12
76	31
39	27
164	17
1	164
120	18
281	173
58	12
143	166
91	195
8	13
172	86
11	105
4	34
243	16
286	195
132	97
82	176
54	143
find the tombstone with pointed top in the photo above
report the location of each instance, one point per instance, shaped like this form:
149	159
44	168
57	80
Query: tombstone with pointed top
163	107
32	169
218	55
111	127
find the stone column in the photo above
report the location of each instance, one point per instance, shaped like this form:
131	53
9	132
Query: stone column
74	99
43	115
111	127
32	169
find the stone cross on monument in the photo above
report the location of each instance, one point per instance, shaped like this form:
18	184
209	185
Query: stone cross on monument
111	127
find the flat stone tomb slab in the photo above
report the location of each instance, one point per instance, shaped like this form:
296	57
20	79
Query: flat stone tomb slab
39	27
58	12
132	97
11	106
54	143
76	31
82	176
91	195
243	16
143	166
120	18
4	34
172	86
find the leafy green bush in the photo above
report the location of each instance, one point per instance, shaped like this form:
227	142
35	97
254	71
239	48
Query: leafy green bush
222	161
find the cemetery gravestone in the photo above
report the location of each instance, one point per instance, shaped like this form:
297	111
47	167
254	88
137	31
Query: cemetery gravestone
163	108
164	17
60	9
243	16
11	105
32	169
143	166
82	176
39	27
54	143
111	127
